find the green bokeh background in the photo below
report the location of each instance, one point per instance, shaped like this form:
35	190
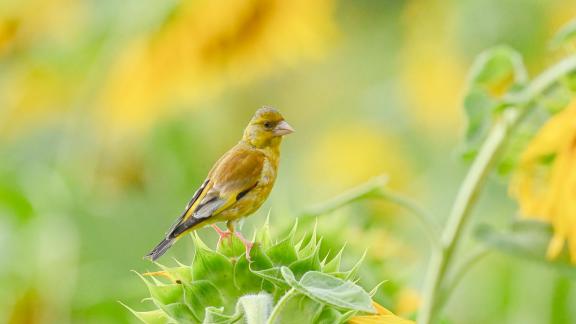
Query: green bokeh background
80	205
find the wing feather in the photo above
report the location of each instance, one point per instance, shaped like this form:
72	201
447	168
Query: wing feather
194	198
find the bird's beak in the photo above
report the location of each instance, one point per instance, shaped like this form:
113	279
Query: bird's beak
283	128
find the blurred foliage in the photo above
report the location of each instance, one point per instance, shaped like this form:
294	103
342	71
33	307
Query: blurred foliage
111	113
527	239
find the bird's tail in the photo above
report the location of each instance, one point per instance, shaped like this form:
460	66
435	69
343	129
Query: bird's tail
161	248
181	227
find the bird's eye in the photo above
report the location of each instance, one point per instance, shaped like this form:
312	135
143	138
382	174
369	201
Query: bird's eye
268	124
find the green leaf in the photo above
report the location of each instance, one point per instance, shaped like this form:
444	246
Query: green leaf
296	308
334	264
273	276
244	279
525	239
150	317
311	247
330	290
329	316
497	64
181	274
283	253
216	315
495	76
231	247
216	268
258	262
300	267
374	290
258	259
201	294
179	312
165	294
263	234
347	316
353	272
566	34
478	106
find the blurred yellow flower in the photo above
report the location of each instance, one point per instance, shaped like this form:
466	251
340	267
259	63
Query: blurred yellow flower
347	155
560	13
202	48
545	181
431	68
34	87
408	302
197	50
8	31
383	316
395	249
29	22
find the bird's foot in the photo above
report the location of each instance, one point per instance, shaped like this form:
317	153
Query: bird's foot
222	234
247	244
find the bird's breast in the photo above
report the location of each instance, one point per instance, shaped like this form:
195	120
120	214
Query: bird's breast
255	197
268	175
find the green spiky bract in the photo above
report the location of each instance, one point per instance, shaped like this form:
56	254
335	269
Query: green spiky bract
285	281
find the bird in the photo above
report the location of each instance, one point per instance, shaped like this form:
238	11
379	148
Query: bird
238	183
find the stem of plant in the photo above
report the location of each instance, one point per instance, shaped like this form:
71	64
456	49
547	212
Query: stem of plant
365	190
376	189
560	302
467	196
474	181
459	272
423	216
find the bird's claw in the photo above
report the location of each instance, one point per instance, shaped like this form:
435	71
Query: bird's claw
247	244
222	234
228	235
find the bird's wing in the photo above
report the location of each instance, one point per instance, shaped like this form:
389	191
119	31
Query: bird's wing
194	198
236	173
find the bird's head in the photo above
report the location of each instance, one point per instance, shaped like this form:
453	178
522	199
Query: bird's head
266	128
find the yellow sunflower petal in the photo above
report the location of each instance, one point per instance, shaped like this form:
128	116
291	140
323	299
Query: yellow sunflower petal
384	316
546	190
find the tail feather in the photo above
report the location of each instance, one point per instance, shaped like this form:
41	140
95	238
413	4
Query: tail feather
176	232
186	226
160	249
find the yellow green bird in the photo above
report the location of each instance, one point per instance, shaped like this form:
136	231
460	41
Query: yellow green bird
237	185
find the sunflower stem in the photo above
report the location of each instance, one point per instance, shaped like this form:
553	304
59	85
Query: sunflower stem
560	302
460	270
461	210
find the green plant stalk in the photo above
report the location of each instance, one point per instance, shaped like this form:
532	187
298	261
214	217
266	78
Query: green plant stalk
560	302
376	189
369	189
459	272
423	216
475	179
467	196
